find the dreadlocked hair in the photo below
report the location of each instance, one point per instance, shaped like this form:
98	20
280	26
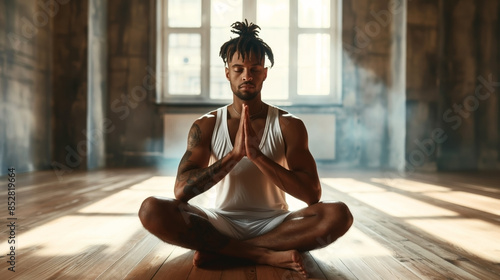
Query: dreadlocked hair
247	44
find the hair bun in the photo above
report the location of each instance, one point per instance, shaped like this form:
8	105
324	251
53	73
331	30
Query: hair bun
244	29
247	44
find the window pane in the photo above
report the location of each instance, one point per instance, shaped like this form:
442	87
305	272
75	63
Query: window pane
184	64
226	12
313	64
184	13
314	13
218	36
219	85
273	13
274	18
276	84
278	41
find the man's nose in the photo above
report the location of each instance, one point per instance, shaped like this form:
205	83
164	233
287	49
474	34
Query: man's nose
247	75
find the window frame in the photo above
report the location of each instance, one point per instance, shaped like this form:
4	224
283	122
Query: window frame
250	13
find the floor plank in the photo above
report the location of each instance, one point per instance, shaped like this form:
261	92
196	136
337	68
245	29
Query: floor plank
152	261
177	266
240	273
121	268
311	266
202	273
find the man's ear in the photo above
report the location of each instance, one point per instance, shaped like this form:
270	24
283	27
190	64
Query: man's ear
265	73
227	73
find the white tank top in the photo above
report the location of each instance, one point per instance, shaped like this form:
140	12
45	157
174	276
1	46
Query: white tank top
245	191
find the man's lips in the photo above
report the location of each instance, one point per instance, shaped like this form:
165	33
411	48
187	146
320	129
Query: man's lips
246	85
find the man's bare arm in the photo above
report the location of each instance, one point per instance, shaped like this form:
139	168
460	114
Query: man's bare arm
194	175
301	179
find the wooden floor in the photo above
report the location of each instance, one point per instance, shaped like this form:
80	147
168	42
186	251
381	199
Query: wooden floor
425	226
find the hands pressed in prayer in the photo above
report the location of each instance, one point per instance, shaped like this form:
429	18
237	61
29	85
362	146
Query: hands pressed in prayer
246	142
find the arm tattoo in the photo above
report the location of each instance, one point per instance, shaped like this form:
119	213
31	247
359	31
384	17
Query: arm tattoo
194	136
185	157
199	181
184	164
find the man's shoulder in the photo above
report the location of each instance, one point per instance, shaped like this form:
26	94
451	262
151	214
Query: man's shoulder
292	127
207	119
206	122
286	118
212	115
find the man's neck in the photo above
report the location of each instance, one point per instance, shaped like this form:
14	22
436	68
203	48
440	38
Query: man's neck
254	106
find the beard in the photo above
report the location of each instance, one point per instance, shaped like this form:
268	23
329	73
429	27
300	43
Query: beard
246	96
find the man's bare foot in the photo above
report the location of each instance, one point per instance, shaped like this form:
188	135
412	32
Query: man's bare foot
285	259
201	258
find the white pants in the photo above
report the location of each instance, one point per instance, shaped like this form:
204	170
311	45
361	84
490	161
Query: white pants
244	226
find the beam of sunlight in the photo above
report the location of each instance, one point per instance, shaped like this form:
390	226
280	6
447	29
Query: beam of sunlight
471	200
357	245
73	235
473	235
92	227
391	203
157	183
398	205
467	199
349	185
477	187
476	236
409	185
124	202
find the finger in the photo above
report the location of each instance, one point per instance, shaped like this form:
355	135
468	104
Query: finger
245	127
250	142
249	131
241	128
244	111
248	125
248	145
247	118
242	119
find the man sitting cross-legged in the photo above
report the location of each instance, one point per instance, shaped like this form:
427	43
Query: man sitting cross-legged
252	153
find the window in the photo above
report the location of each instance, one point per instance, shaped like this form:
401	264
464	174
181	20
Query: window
304	36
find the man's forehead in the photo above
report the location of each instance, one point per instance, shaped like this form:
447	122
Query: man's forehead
250	59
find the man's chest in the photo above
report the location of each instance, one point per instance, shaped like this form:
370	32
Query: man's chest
258	125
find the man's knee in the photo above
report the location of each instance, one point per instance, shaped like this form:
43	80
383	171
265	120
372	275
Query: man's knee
339	218
153	212
160	213
147	211
346	215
